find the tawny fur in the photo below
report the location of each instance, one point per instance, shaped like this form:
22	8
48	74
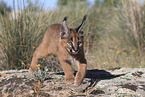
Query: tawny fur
52	44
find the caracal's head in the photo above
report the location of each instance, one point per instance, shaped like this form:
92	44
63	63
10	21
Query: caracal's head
72	38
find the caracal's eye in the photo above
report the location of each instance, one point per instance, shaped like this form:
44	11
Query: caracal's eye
79	42
69	44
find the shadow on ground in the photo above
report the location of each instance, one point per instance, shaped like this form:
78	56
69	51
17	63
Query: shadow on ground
95	76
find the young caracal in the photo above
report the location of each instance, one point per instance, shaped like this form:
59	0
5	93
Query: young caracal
65	43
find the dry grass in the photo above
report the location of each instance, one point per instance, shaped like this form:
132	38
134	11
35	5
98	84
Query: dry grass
114	35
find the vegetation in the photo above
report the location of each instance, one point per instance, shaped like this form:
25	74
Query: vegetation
4	9
114	33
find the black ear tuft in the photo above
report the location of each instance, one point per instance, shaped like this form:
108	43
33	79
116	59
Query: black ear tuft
65	18
85	17
79	29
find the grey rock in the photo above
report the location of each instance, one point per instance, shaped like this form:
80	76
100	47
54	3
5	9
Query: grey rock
115	82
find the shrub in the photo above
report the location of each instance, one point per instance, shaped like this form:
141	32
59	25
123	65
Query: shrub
20	33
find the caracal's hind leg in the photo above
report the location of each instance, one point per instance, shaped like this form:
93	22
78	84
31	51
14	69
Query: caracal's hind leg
40	52
81	73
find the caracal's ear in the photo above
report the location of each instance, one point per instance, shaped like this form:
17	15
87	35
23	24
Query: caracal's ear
79	29
64	30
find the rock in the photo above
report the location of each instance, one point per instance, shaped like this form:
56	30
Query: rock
115	82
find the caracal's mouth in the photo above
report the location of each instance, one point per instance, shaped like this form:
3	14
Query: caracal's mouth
71	51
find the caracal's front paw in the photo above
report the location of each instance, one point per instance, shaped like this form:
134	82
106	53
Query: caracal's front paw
78	83
79	79
31	70
69	80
